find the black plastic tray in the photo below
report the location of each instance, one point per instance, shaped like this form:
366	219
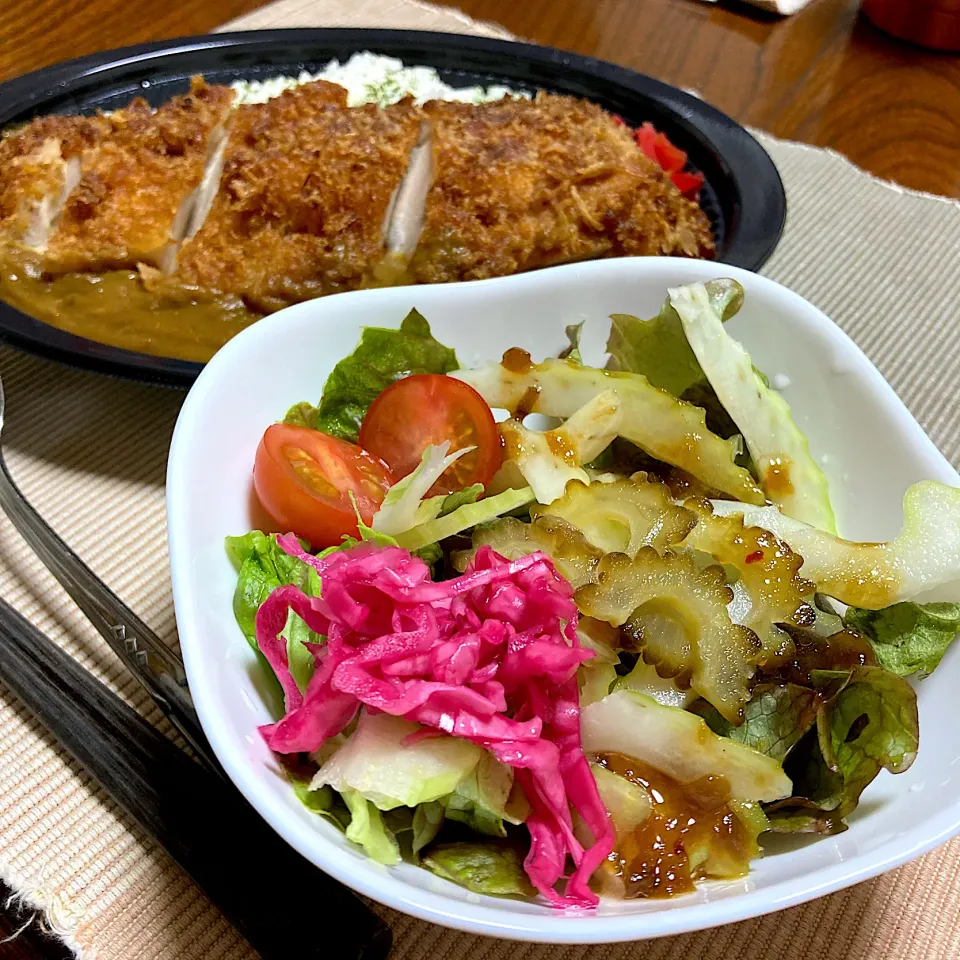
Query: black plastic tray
742	195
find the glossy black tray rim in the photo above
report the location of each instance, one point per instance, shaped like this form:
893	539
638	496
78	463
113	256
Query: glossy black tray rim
717	145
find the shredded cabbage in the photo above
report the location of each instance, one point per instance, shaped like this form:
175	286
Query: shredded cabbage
548	460
547	472
465	517
404	507
380	761
482	800
367	829
679	744
627	802
598	675
789	475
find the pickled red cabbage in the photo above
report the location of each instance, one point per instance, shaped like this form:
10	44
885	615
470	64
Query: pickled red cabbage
490	656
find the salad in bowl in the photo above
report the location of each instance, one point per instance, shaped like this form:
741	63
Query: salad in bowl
574	633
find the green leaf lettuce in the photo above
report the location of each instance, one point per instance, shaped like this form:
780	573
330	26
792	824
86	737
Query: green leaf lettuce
572	351
481	800
907	637
262	567
491	868
658	348
789	474
382	357
368	829
774	719
868	722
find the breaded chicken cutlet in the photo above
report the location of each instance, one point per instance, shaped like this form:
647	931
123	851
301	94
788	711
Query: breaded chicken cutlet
133	199
303	198
39	167
521	184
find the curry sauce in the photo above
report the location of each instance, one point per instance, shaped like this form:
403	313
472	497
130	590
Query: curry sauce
115	308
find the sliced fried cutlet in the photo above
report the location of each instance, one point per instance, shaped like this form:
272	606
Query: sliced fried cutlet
520	184
135	191
303	199
39	166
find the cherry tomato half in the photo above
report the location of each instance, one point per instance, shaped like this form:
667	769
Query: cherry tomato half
304	478
429	408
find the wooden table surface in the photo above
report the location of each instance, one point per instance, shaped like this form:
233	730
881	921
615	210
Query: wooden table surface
823	76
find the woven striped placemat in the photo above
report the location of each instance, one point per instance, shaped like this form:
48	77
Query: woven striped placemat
90	452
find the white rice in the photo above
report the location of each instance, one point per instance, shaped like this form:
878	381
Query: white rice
371	78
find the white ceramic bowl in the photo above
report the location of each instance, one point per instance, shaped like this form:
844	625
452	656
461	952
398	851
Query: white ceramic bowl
872	450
